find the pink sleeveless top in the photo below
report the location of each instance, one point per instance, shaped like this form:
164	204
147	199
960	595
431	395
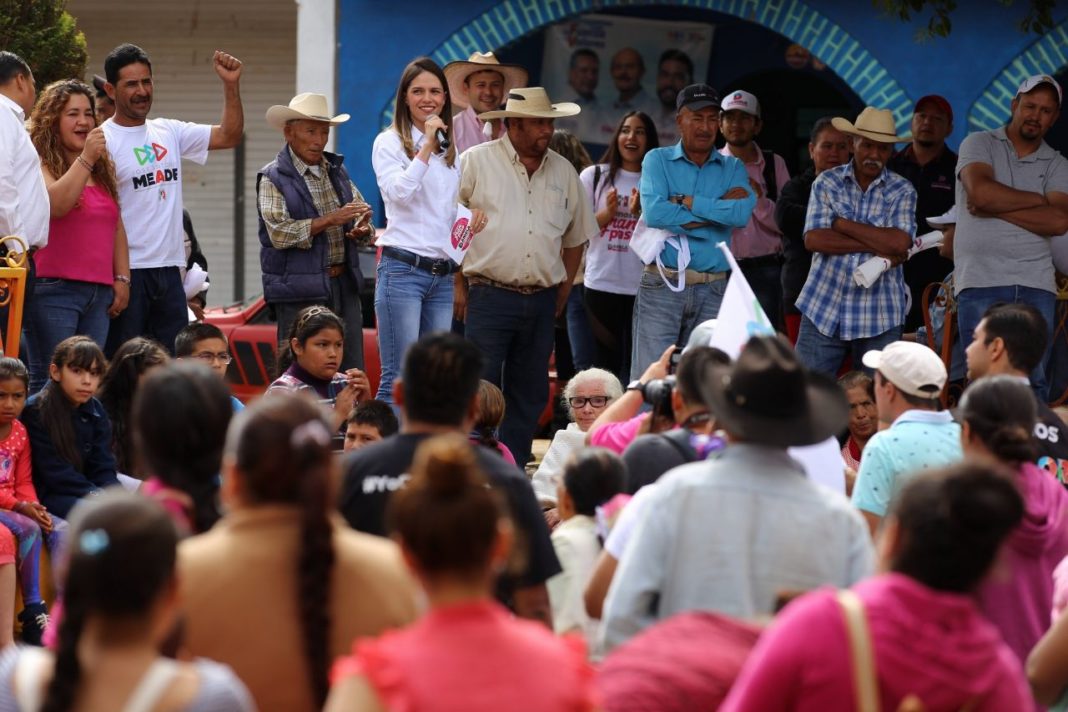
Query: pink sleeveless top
81	244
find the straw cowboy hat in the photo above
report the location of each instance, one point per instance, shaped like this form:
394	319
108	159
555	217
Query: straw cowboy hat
304	106
873	124
531	103
768	397
456	73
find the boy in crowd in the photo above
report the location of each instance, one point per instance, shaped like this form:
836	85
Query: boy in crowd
206	343
369	422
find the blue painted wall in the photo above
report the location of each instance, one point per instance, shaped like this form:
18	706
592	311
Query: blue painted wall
976	67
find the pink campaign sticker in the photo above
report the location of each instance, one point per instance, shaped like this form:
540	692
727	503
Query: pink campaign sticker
461	234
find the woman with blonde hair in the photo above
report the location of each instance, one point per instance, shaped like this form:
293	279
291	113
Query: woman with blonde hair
83	274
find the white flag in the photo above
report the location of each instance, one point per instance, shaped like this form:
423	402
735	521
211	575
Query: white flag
740	315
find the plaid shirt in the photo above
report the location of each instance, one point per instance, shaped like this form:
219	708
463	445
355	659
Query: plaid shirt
287	233
838	307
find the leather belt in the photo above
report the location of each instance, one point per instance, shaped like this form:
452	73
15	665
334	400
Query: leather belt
335	270
438	268
692	276
775	258
483	282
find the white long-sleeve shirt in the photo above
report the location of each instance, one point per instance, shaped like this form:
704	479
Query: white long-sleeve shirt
24	209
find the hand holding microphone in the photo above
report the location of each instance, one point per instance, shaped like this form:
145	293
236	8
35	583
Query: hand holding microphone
435	127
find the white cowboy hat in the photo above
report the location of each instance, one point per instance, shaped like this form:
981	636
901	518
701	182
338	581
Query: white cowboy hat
531	103
304	106
873	124
456	73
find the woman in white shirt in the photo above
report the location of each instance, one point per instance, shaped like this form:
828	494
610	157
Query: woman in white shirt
419	181
613	271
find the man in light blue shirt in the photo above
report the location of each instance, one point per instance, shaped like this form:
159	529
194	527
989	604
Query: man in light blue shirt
909	378
699	195
734	533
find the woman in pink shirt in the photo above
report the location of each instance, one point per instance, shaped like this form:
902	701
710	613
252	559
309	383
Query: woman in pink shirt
83	274
468	653
929	638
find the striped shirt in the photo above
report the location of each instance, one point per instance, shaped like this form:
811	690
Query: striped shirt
287	233
837	306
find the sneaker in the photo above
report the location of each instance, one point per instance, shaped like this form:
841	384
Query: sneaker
34	619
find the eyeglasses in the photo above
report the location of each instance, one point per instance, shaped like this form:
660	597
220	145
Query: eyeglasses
595	401
209	357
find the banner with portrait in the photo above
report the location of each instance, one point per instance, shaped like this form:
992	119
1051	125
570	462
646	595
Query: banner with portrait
611	65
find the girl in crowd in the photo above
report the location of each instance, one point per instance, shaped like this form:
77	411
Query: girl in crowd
309	363
419	181
997	416
585	397
131	362
931	642
20	512
468	652
863	418
613	271
181	413
277	589
490	417
591	477
119	589
83	274
70	432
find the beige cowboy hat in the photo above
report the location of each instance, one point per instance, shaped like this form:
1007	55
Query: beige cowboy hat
304	106
531	103
456	73
874	124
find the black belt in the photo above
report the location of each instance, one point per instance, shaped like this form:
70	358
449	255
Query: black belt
774	258
438	268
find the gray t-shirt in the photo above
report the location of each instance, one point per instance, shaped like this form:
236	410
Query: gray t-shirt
989	252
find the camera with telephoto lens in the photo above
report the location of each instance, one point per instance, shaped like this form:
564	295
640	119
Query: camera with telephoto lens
657	393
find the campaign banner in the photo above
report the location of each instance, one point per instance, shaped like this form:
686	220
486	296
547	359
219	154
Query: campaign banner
461	235
611	65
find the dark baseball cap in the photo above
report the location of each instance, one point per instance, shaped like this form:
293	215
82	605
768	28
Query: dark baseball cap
99	82
696	97
938	102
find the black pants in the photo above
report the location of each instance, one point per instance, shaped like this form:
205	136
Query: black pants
610	318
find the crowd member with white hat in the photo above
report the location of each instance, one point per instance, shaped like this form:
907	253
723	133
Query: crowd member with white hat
855	211
520	269
419	179
476	86
310	214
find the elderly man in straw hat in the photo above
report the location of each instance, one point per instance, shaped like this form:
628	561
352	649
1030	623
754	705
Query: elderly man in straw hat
733	533
311	216
856	211
477	86
518	272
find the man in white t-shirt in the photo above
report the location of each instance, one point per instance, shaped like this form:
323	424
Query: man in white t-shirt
148	155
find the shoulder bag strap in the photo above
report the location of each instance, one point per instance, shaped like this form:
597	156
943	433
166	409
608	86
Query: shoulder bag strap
771	178
860	649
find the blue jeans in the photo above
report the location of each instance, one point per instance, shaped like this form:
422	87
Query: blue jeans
157	309
579	333
409	303
973	303
62	308
29	536
515	334
663	317
826	353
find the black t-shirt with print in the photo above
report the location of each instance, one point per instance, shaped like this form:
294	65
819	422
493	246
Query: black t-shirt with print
373	473
1051	440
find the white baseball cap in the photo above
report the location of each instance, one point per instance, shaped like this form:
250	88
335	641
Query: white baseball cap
1036	79
741	101
912	367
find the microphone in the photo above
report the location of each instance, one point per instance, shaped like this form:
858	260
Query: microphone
443	140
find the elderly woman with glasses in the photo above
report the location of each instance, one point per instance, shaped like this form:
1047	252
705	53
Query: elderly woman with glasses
585	396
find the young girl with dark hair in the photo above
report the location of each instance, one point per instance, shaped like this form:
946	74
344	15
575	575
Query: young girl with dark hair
70	433
181	413
490	417
613	271
278	552
309	363
933	649
119	589
998	416
468	652
129	365
419	180
20	512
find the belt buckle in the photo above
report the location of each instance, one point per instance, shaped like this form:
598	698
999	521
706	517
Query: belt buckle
438	268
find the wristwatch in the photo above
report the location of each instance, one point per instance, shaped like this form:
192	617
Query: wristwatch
635	385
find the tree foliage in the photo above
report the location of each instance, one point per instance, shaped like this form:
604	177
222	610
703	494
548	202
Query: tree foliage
44	34
1038	17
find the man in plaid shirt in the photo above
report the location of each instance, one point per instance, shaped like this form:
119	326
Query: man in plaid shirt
856	211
